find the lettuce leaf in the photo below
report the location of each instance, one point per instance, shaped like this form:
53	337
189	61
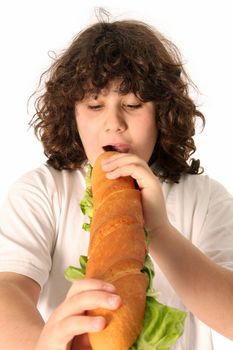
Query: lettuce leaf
148	268
86	203
163	325
73	273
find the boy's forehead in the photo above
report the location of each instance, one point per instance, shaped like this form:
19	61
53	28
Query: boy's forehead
113	86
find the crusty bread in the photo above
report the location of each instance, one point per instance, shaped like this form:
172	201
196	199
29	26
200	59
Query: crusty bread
116	254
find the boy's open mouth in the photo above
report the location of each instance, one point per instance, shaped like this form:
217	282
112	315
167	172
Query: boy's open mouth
122	148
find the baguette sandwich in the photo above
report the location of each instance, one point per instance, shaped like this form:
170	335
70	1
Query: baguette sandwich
118	254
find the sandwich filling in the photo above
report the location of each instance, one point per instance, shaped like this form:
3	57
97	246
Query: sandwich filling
163	324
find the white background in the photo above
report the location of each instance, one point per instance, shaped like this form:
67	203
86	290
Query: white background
201	29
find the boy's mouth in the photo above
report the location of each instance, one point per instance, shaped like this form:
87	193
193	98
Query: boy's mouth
118	147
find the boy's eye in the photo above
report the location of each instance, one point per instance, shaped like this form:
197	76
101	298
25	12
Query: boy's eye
130	106
94	107
134	106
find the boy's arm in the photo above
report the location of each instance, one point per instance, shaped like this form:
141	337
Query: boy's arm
20	321
204	287
22	328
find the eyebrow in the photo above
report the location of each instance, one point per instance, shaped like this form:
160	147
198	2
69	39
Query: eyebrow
96	95
115	90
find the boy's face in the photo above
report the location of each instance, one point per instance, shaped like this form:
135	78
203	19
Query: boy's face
121	121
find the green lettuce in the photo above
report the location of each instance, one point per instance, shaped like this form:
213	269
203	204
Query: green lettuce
86	203
73	273
163	324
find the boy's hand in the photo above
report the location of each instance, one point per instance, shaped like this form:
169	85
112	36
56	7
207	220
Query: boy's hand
70	319
126	164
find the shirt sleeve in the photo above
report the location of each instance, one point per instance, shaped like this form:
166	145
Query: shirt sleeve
216	236
27	227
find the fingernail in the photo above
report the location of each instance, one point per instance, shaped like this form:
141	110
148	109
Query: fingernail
109	176
109	287
98	324
113	300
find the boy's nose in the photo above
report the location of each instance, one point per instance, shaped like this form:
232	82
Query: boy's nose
115	122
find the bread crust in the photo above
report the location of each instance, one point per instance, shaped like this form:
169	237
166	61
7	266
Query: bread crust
116	254
124	324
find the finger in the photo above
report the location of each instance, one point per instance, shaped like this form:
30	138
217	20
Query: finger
123	170
77	325
81	342
90	284
137	171
68	328
88	300
119	160
125	165
114	157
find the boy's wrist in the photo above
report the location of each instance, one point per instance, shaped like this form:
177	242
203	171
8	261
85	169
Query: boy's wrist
159	230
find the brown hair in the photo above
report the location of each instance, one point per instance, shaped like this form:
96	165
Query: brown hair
148	65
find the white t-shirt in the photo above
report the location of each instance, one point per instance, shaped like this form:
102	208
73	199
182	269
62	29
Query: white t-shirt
41	234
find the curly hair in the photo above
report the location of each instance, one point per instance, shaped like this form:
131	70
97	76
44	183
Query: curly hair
148	65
